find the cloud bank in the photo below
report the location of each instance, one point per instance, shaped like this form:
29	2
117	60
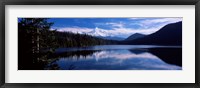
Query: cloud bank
123	28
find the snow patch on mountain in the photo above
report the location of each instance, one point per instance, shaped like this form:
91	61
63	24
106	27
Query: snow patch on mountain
98	32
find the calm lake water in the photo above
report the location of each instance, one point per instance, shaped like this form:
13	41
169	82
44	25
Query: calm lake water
118	57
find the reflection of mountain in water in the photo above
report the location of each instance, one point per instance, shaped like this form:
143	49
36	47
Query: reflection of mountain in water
113	60
169	55
138	51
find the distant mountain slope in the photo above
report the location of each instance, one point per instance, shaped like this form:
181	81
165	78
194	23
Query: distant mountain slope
134	36
170	34
111	38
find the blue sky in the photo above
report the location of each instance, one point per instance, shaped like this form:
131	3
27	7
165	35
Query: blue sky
115	27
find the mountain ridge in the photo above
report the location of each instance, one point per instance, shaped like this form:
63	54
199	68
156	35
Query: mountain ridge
170	34
134	36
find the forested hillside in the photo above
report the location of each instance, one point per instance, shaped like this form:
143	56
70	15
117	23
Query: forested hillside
67	39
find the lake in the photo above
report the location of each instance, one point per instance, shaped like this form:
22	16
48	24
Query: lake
117	57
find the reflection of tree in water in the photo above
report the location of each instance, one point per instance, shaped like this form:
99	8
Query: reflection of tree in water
47	60
82	53
68	55
55	66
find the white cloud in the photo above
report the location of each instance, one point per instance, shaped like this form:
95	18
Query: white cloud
74	30
147	22
160	20
119	25
147	26
138	18
113	24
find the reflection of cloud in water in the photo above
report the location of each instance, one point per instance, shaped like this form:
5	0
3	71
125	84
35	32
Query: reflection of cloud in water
127	55
117	59
117	54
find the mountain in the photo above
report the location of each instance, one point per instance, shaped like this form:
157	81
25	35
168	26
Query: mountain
112	38
98	32
103	34
170	34
134	36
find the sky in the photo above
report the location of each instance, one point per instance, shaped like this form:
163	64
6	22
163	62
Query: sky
113	27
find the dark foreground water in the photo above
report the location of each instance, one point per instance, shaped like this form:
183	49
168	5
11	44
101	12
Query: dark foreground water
117	57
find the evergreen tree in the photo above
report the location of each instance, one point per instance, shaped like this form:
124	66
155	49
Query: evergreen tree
33	34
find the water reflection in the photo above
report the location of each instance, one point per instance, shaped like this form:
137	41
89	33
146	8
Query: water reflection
113	59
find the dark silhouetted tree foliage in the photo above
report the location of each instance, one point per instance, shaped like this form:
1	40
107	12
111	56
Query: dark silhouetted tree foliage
33	34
